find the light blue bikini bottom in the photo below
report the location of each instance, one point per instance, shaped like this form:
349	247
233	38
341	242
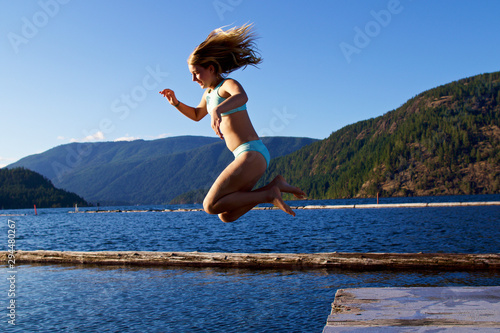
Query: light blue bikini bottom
255	145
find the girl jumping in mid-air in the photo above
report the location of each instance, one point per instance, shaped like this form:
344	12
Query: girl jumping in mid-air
224	100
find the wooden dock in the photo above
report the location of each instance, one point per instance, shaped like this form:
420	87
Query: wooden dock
355	261
427	309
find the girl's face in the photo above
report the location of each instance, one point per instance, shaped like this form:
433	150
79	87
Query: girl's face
205	77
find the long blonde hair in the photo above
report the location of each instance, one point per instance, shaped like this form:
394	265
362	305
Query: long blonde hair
227	50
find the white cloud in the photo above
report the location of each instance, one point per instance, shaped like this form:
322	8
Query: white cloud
127	138
159	136
97	136
4	161
162	136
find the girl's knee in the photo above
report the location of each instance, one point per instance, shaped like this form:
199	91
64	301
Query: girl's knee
227	217
208	206
224	217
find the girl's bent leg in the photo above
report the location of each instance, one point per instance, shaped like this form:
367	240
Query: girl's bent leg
231	196
270	195
277	186
239	176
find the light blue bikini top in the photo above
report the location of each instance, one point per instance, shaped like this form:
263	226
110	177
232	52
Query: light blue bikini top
213	99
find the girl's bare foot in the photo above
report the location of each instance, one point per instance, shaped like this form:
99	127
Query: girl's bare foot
278	201
283	186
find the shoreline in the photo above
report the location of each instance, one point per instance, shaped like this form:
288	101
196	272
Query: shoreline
360	206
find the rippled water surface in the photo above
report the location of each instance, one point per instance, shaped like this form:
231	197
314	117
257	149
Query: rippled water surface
58	298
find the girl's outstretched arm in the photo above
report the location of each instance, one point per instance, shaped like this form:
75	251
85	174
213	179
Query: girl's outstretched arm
195	114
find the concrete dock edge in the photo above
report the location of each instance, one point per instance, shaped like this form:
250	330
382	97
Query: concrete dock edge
417	309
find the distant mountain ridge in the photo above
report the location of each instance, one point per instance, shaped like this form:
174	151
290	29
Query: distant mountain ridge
443	141
141	172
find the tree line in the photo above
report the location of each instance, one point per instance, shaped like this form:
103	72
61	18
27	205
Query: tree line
23	188
443	141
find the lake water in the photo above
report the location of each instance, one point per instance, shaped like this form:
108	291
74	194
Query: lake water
72	298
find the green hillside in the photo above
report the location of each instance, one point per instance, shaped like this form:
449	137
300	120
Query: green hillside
141	172
443	141
22	188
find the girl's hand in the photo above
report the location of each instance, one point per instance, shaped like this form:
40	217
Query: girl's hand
216	120
170	96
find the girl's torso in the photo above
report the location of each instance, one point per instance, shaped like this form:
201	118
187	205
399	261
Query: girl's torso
235	125
214	98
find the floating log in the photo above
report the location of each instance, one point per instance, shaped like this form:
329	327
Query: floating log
363	261
363	206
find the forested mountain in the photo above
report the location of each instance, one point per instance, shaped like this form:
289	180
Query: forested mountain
141	172
443	141
22	188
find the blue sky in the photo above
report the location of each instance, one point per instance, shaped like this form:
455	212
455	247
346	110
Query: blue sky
91	70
